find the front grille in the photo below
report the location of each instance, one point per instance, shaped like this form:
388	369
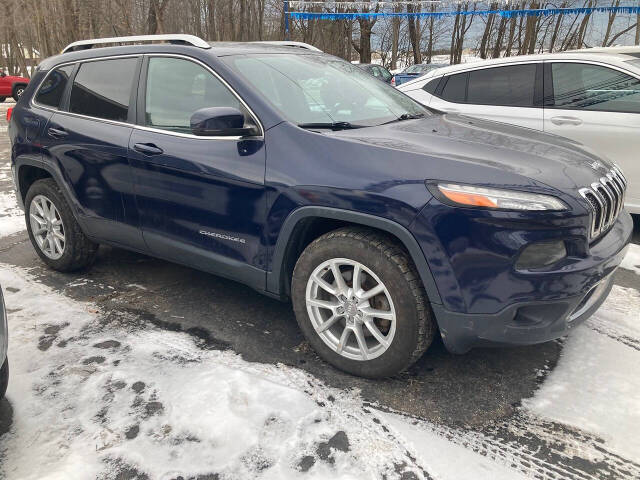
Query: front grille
605	198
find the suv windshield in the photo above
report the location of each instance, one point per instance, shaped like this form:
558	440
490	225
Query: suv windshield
323	90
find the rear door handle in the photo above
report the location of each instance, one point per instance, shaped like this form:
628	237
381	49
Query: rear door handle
147	149
57	132
566	121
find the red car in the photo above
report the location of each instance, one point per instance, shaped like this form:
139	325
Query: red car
11	86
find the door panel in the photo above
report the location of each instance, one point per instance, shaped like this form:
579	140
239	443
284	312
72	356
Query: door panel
579	106
201	200
92	156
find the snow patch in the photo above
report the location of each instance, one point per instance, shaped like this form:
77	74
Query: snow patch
596	387
11	216
93	393
631	260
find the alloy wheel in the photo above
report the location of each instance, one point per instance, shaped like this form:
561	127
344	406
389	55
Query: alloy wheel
350	309
47	227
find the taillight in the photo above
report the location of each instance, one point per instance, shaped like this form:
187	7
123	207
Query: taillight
9	112
393	81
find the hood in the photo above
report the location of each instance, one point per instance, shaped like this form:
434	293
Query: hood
495	150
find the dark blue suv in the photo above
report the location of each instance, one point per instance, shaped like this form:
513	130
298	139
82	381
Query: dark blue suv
302	176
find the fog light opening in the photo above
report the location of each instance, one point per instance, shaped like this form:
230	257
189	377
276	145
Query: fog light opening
541	254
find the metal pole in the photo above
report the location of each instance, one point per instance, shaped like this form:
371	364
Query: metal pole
286	20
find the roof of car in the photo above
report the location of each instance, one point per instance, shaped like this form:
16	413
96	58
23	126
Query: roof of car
615	58
218	49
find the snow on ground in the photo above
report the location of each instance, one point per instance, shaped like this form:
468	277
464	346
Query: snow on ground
91	392
631	260
596	386
11	216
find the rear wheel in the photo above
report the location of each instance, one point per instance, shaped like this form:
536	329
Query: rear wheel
360	302
54	231
2	99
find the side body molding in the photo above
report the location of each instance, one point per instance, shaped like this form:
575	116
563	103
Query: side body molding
274	277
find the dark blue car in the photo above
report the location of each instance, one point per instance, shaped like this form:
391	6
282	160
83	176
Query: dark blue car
302	176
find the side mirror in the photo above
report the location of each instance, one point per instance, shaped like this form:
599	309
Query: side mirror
220	122
2	74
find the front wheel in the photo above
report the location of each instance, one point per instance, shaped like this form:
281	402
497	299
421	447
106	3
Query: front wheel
360	303
2	99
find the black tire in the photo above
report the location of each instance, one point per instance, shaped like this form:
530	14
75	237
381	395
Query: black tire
18	90
4	378
386	258
2	99
79	252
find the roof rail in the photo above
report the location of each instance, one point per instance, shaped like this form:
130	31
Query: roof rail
179	39
287	43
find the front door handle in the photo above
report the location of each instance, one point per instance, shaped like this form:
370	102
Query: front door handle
147	149
57	132
566	120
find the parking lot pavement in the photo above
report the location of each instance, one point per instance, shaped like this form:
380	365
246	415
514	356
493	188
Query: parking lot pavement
142	367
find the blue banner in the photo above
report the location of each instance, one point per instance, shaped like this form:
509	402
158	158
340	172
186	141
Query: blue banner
630	10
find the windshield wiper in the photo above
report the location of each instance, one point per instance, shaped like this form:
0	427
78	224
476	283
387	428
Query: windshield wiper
405	116
330	125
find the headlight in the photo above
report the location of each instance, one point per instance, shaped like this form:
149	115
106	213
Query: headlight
470	196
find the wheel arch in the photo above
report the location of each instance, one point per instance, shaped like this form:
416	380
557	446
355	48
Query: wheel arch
305	224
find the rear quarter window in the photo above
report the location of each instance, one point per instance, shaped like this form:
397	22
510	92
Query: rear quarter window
455	88
51	91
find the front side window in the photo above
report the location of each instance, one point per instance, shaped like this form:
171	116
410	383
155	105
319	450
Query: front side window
593	87
511	86
102	89
52	89
176	88
310	89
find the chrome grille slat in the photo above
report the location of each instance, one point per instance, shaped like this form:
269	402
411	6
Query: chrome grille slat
606	200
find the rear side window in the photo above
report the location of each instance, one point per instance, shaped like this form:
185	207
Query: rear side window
455	88
52	89
430	86
176	88
102	89
511	86
592	87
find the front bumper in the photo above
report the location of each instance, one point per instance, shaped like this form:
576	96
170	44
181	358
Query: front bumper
493	304
521	324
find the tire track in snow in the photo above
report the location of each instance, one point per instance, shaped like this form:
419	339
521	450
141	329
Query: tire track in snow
536	448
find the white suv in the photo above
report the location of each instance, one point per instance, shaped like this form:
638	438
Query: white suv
590	97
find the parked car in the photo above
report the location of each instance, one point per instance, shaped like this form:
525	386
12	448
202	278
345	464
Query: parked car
11	86
302	176
413	72
591	98
4	335
377	71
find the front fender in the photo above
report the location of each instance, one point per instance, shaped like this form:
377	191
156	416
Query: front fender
401	233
